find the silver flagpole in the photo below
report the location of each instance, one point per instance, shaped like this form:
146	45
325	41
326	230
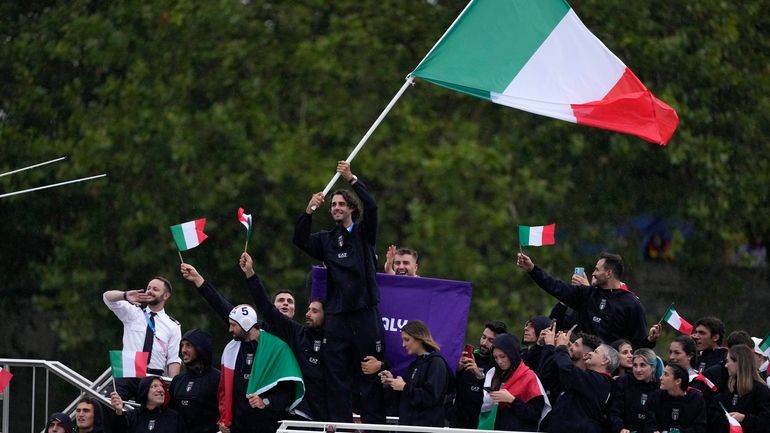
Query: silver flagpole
32	166
52	185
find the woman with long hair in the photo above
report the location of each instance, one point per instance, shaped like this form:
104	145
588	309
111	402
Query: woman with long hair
428	378
514	399
674	405
746	398
631	392
626	357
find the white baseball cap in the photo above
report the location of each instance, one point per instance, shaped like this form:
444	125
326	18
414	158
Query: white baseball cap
757	350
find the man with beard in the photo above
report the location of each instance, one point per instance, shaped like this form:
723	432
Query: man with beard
250	351
583	403
89	417
353	324
194	392
401	261
578	346
605	308
151	416
146	328
305	341
471	371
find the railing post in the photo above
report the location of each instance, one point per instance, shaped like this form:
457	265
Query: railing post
32	421
6	395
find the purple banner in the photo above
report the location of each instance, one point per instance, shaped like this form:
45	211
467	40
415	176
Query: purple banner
442	304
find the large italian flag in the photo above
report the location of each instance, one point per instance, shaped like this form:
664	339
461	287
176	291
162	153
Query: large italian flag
537	56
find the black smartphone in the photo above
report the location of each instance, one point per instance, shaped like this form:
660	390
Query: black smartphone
488	388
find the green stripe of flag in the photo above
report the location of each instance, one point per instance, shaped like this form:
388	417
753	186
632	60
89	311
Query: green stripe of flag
764	345
467	55
116	361
524	235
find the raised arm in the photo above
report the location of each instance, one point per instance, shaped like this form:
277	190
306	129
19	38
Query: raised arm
280	325
302	236
569	294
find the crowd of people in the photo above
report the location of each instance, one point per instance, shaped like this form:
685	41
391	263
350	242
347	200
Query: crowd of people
588	367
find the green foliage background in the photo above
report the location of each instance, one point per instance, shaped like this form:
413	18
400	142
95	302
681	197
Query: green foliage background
196	108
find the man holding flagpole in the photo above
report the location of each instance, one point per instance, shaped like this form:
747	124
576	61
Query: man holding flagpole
605	308
353	324
147	328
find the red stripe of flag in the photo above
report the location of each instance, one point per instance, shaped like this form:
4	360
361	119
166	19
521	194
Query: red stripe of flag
549	237
5	379
140	363
200	224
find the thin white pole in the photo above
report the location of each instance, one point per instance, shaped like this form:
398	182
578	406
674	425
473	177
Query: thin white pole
52	186
32	166
407	83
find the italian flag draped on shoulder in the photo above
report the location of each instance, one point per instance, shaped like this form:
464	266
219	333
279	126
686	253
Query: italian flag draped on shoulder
537	56
274	362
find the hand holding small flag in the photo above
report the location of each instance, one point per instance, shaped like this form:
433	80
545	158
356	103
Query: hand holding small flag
537	235
676	321
188	235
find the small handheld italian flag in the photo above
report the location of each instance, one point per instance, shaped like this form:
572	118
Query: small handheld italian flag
128	364
246	220
188	235
764	345
735	426
700	377
676	321
537	235
5	379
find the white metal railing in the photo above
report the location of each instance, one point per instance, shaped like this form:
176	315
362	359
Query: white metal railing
291	426
85	387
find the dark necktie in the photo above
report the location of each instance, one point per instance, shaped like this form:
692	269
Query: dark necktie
149	336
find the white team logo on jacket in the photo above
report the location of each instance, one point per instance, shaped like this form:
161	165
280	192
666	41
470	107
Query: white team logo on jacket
189	385
602	304
151	425
675	414
316	345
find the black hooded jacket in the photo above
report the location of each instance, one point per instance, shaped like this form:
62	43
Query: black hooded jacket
63	420
583	405
350	259
464	412
428	379
307	345
755	406
143	420
99	424
194	392
531	355
686	413
245	417
608	314
628	399
516	416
